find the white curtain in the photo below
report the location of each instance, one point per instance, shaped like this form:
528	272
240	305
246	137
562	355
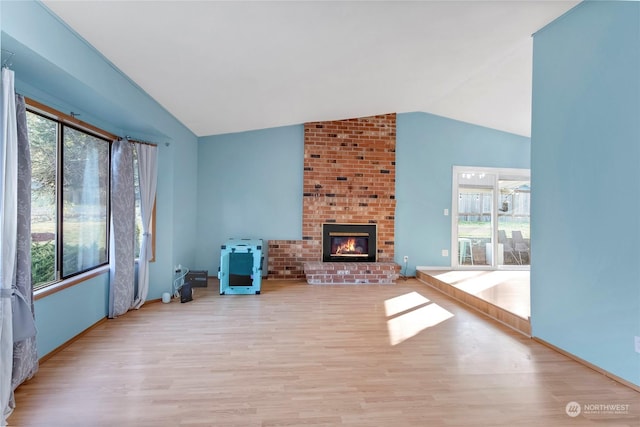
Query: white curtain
8	231
87	236
122	230
148	175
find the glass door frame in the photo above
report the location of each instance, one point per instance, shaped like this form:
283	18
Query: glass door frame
497	174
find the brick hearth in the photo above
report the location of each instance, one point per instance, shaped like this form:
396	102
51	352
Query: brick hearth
351	273
349	178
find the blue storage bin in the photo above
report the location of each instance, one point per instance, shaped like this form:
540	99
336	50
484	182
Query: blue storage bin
241	267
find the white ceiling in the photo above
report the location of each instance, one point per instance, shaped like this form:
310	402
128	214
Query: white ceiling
222	67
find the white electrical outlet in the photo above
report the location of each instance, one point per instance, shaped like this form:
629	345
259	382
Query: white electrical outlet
445	252
446	212
406	259
637	344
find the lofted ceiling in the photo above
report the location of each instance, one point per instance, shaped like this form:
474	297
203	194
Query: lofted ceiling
225	66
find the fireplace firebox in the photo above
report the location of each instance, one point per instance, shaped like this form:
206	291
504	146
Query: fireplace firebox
349	242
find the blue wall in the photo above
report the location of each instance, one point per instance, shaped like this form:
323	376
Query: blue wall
249	186
585	274
427	148
250	183
65	314
54	66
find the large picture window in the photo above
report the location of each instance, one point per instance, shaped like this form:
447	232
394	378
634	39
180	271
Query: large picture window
70	199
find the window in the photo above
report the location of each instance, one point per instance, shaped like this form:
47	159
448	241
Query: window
43	137
85	207
70	199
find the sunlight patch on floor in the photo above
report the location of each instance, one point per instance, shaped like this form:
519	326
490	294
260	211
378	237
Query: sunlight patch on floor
418	314
474	282
480	283
457	276
404	302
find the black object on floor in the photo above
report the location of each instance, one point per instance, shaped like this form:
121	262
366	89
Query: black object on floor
186	293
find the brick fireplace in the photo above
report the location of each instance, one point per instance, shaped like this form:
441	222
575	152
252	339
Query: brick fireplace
349	178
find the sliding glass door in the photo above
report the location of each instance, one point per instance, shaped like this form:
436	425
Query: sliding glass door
475	218
513	222
490	206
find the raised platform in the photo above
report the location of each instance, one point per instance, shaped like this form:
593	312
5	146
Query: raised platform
351	273
467	287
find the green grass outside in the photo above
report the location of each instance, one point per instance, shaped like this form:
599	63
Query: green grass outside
482	230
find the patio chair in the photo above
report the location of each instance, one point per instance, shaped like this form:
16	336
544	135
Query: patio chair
507	246
465	250
519	244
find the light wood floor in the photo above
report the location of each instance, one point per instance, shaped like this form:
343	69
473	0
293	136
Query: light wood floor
315	356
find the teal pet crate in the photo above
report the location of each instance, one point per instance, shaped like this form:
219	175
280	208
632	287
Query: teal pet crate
240	269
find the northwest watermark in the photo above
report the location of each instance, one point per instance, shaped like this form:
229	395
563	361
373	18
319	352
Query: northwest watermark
573	409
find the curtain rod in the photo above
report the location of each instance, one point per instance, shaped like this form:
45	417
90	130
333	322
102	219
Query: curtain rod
137	141
69	118
7	61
